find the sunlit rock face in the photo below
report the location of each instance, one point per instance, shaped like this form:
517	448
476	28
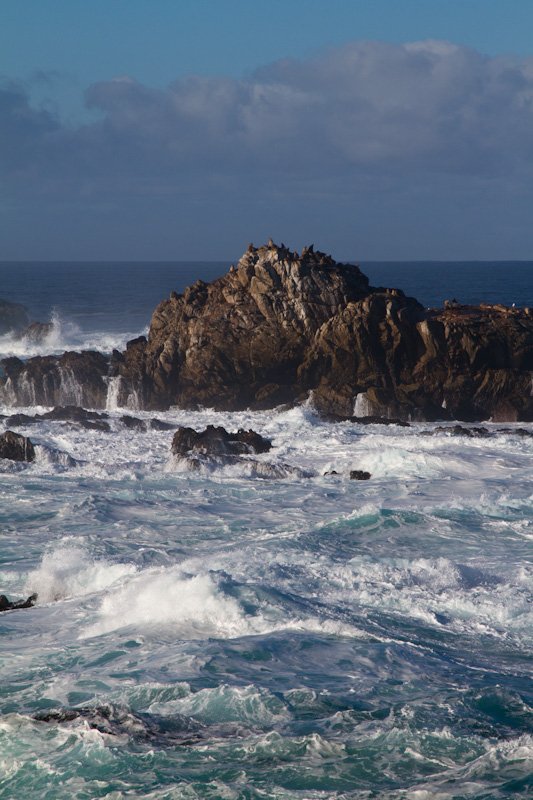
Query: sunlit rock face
283	328
239	341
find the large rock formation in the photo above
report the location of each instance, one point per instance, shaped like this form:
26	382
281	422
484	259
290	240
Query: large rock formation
239	341
282	327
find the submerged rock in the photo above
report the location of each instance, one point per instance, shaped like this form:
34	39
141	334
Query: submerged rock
15	447
117	721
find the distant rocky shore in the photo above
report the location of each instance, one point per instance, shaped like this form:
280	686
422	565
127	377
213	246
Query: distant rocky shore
282	328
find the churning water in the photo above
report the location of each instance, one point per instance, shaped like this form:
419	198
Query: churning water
220	635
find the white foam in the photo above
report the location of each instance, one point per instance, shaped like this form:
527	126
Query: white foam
68	570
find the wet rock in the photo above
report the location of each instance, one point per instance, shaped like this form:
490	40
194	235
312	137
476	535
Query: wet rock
159	425
216	441
36	333
78	379
15	447
133	423
215	448
359	475
8	605
369	420
21	419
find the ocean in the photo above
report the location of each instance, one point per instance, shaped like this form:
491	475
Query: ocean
219	635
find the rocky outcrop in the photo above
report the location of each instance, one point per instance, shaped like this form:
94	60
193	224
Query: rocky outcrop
13	317
283	327
15	447
215	447
78	379
239	341
216	441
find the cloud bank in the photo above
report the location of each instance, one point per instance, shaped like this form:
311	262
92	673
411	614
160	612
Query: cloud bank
392	121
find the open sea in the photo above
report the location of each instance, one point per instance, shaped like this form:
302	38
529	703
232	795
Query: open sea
221	635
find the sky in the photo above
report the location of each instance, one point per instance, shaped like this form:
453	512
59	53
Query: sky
178	130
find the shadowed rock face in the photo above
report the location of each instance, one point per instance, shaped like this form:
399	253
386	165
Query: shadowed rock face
71	379
16	447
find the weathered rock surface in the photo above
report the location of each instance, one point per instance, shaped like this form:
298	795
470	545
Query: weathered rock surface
239	341
283	327
15	447
13	317
78	379
359	475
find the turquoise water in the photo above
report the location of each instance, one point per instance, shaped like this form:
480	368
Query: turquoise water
220	635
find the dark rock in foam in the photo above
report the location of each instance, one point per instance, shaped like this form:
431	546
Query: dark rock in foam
9	605
15	447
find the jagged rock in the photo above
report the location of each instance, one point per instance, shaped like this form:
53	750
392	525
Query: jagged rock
216	441
281	328
16	447
215	448
36	333
238	342
13	317
71	379
359	475
8	605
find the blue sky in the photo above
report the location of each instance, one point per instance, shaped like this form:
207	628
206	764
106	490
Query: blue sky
171	130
